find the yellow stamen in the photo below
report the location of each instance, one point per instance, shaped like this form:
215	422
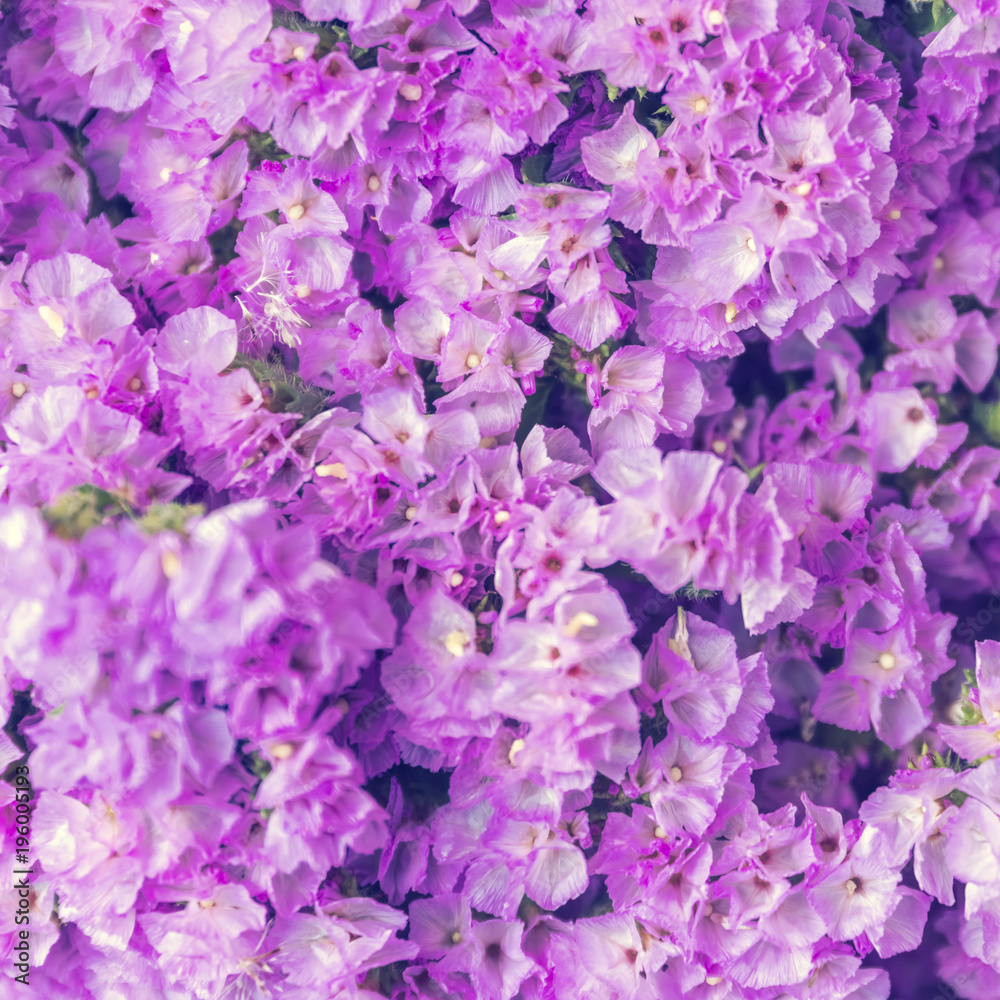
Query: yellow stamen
455	642
335	469
52	320
582	619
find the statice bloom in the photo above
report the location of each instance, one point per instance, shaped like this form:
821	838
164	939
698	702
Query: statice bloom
499	500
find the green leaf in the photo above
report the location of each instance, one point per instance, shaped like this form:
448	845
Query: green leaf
73	514
941	13
613	91
533	168
615	253
169	517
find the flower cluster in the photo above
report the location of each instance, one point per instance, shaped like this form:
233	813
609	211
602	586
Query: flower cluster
498	501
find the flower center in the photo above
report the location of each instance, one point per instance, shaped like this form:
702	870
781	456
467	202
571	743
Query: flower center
582	619
52	320
456	641
336	469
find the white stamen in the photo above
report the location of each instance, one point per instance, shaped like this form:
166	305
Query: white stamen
713	980
501	517
299	53
886	660
582	619
52	320
455	642
301	291
166	173
473	360
93	392
170	562
719	446
455	937
185	27
751	245
411	91
659	832
411	513
802	189
456	579
731	311
851	886
282	751
939	263
296	211
134	384
676	773
488	442
701	105
18	389
715	18
895	214
515	748
335	469
374	183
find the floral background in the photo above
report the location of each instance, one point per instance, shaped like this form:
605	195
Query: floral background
499	501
